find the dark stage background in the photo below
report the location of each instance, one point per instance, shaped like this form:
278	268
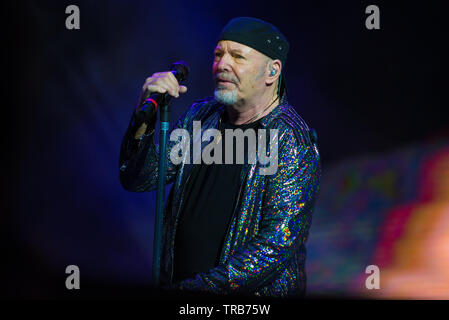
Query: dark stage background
373	96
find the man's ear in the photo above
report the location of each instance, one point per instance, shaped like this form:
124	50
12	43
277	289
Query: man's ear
274	72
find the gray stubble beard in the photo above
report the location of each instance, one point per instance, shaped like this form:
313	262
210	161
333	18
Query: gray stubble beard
226	97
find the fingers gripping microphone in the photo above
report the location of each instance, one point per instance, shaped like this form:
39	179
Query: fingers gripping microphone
149	104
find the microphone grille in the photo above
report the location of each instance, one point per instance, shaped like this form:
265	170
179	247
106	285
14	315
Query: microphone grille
181	70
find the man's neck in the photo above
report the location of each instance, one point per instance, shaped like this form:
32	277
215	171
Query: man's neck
252	111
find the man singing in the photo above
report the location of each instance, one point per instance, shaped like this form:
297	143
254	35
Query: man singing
227	227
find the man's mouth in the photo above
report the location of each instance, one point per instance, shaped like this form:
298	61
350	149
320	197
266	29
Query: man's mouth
222	79
225	82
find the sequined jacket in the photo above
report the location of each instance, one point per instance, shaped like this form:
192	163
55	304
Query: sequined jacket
264	250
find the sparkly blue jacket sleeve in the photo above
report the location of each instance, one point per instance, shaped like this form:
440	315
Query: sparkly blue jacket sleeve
138	160
288	200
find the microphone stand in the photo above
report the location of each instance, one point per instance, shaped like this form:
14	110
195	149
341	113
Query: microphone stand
164	117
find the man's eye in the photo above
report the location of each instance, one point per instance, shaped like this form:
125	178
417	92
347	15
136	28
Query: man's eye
239	56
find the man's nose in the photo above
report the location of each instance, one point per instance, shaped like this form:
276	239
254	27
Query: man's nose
224	63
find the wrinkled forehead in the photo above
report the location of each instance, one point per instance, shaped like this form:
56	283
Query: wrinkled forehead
228	45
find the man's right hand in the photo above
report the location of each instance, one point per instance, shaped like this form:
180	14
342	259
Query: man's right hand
159	82
163	82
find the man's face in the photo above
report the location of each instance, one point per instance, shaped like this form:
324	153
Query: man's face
238	71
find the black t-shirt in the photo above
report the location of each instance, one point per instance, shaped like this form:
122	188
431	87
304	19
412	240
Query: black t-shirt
210	197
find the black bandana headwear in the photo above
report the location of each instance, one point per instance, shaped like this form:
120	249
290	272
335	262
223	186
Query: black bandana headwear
261	36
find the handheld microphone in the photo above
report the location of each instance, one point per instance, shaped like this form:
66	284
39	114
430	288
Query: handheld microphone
150	103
